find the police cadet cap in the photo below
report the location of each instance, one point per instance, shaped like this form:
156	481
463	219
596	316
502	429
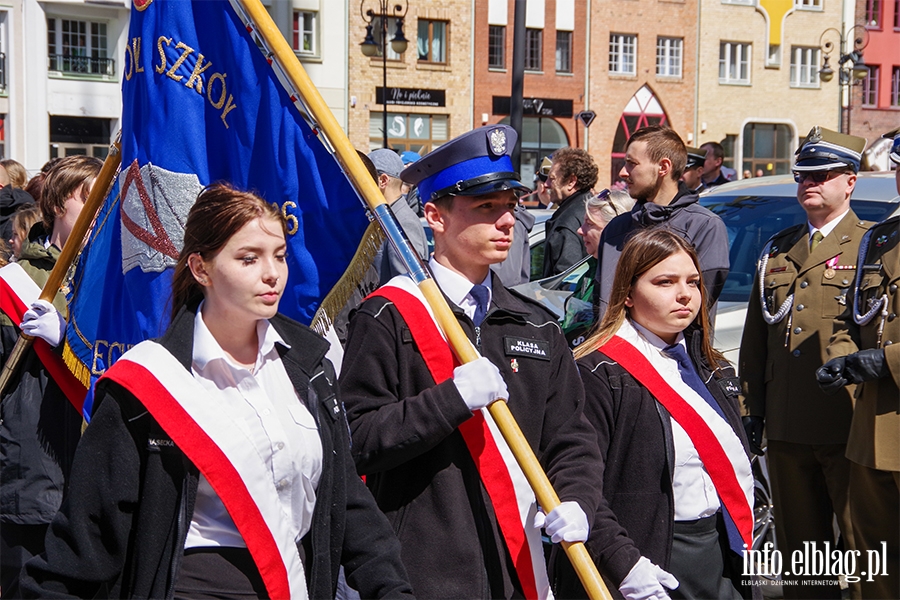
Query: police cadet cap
408	156
824	149
894	134
695	158
386	161
475	163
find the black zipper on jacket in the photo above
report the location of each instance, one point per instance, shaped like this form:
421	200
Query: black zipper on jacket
478	338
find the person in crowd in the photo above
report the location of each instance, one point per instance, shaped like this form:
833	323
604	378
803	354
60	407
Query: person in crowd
35	186
713	172
39	428
677	505
516	269
420	435
388	166
599	210
760	173
804	276
747	174
866	351
15	174
655	158
217	462
570	183
540	183
12	197
22	222
693	170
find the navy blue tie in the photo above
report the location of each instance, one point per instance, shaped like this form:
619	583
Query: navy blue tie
691	377
481	295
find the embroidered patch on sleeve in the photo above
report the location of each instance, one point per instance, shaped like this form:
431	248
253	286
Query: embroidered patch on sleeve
516	346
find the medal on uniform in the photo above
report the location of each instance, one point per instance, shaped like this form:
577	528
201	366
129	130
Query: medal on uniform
881	241
514	365
829	267
829	273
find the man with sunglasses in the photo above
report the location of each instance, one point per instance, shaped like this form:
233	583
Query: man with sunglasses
804	278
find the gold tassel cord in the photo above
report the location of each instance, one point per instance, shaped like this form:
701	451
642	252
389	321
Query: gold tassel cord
78	369
340	294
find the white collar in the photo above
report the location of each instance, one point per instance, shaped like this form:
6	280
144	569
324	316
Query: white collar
828	227
454	285
207	349
653	339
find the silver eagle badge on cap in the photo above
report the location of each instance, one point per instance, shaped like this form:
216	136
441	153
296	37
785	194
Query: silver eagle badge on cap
497	139
815	135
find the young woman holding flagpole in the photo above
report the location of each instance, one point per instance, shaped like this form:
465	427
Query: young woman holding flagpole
677	485
217	463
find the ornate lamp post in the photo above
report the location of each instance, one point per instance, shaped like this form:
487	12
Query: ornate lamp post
370	47
850	65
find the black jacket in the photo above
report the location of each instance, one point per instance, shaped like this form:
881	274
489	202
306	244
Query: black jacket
636	514
406	441
684	216
122	527
562	244
39	427
11	200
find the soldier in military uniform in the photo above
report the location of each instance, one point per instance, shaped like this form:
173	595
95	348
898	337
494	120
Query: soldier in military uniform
803	279
874	444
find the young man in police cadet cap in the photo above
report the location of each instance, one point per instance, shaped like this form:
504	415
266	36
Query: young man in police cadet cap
693	170
803	281
874	444
420	443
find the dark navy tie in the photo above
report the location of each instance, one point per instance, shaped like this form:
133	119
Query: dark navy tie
481	295
691	377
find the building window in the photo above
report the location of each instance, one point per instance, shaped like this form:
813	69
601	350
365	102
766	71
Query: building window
78	47
895	87
767	146
808	4
873	13
896	14
3	89
417	132
432	42
622	50
870	87
497	47
804	67
734	62
79	136
563	51
534	45
376	34
668	56
642	110
2	136
305	38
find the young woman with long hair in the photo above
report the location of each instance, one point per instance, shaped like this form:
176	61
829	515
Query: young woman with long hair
217	462
677	484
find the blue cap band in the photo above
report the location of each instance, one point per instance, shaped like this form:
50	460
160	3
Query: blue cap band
461	172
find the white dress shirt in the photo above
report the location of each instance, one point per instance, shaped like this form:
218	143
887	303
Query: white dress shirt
693	489
457	288
281	430
828	227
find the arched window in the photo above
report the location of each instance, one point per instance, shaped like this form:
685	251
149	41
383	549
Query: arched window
540	137
642	110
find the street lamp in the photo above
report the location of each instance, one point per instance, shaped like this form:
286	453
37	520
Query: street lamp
369	47
850	65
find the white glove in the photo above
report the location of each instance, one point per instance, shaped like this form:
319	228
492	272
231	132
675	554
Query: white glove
479	383
645	581
567	522
44	321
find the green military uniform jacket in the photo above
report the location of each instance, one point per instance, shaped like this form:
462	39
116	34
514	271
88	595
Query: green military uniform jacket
875	432
778	362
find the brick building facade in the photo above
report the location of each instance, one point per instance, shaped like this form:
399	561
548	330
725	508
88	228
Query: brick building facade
429	85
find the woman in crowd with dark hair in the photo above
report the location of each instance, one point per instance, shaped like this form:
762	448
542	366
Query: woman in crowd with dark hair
677	484
217	462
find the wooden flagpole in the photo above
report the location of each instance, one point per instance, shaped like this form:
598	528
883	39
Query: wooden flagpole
70	250
462	347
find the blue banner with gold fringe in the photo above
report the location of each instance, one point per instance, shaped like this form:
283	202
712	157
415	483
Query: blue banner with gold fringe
202	102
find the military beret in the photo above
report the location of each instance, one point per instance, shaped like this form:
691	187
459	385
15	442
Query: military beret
475	163
894	134
695	158
823	150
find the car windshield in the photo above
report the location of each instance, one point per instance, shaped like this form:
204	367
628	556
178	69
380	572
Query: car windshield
752	220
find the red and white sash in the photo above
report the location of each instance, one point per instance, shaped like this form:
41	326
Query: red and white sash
223	454
18	292
718	446
512	498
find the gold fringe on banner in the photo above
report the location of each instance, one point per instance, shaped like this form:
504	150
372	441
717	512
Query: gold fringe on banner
340	294
75	365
